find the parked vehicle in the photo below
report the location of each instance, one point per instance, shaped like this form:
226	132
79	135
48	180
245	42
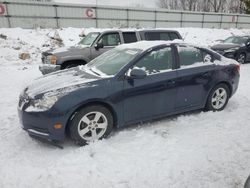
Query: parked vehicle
235	47
247	183
129	84
96	43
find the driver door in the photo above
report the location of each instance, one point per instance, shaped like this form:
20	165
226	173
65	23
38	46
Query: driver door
108	40
155	94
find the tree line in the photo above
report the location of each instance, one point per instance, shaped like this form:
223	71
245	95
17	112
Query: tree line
223	6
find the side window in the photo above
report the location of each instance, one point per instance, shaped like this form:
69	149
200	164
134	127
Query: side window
111	39
193	56
173	36
157	36
164	36
156	61
129	37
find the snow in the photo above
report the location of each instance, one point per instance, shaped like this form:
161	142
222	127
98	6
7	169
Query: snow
143	45
66	79
198	149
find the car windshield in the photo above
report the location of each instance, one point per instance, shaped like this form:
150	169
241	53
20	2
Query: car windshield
89	39
111	62
236	40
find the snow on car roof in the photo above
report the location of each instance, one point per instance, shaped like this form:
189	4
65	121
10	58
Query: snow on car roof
144	45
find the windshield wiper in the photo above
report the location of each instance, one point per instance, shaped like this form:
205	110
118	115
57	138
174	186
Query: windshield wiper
94	71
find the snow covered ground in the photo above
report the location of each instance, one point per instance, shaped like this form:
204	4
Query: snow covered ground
200	149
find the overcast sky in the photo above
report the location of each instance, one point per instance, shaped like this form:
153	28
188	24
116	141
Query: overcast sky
143	3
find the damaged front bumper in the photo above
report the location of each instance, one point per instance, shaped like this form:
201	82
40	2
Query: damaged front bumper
48	68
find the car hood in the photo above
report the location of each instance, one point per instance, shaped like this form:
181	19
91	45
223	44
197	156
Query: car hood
61	82
68	51
225	46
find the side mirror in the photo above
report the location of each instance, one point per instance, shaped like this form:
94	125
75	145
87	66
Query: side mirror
99	45
137	74
248	43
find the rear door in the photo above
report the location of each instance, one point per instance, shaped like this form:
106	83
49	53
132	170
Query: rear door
194	76
157	35
129	37
154	95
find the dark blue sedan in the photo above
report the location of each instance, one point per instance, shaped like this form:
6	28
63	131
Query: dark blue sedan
129	84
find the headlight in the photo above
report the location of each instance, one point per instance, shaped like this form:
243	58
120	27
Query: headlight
41	105
52	59
231	50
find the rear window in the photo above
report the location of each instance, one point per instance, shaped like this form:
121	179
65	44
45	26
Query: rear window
190	55
173	36
129	37
157	36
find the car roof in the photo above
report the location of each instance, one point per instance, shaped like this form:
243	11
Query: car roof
145	45
132	30
157	30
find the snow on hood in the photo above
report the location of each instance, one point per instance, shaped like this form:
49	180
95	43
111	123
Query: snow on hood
61	50
60	82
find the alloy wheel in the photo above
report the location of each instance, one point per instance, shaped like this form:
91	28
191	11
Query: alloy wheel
219	98
92	126
242	58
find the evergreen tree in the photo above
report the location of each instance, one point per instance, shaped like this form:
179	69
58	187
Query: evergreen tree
247	6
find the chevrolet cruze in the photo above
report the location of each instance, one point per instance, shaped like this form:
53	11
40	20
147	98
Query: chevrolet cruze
129	84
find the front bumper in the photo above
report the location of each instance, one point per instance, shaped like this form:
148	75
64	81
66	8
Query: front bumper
40	124
230	55
48	68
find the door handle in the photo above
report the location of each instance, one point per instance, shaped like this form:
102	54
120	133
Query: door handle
170	83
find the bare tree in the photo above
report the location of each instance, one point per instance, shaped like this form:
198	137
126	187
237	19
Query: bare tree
168	4
231	6
236	6
217	5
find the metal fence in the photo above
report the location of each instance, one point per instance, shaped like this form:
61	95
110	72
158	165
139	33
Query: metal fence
48	15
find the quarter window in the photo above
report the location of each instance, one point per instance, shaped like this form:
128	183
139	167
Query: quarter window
156	61
173	36
157	36
129	37
191	56
111	39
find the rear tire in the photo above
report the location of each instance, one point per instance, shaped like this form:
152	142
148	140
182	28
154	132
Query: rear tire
90	124
218	98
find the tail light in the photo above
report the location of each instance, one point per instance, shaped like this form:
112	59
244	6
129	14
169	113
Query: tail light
238	68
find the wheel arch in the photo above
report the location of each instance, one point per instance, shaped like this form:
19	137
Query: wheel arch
221	82
228	85
73	61
218	83
96	102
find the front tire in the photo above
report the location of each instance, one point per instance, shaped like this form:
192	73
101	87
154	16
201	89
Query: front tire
90	124
241	58
218	98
